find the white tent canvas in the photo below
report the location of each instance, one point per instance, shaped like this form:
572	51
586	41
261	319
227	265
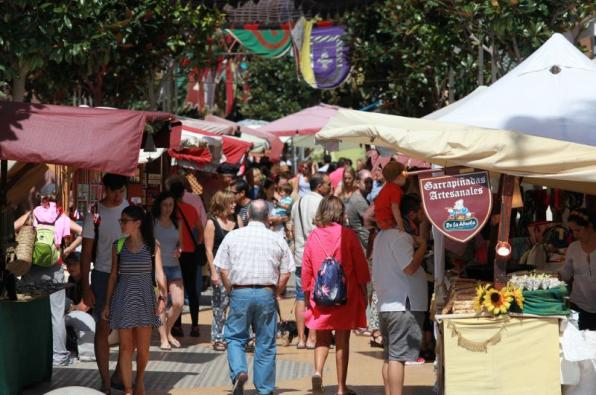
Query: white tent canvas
551	94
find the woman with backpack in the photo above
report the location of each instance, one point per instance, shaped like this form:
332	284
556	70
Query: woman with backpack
334	278
131	306
165	227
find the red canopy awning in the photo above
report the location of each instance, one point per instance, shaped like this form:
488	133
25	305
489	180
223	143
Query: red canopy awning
234	149
98	139
275	143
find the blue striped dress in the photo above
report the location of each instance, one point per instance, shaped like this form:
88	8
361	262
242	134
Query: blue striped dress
133	302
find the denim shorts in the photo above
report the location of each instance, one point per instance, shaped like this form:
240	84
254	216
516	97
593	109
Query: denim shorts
298	276
99	286
173	273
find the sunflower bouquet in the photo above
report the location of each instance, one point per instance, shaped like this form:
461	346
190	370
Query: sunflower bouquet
497	301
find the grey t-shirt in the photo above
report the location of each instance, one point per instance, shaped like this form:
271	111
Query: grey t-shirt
308	206
109	232
168	242
356	206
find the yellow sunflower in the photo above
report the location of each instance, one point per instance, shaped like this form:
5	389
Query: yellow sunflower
518	296
497	302
480	295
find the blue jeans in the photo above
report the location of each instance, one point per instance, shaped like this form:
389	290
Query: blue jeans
256	307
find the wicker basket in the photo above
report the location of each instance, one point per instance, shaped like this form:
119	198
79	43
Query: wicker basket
18	267
195	185
25	240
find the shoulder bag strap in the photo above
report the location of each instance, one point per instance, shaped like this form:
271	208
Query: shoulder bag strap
96	221
189	229
315	234
300	216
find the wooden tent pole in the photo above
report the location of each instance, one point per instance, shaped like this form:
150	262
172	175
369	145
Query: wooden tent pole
500	263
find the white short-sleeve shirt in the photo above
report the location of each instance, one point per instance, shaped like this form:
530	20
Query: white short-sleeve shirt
393	252
109	232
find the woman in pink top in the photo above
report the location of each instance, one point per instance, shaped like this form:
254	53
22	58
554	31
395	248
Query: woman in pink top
331	237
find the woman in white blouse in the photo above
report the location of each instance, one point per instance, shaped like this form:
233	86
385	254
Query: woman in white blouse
580	266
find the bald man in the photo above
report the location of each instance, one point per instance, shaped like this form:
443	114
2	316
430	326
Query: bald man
255	264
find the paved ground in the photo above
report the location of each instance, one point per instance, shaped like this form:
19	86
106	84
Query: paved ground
197	369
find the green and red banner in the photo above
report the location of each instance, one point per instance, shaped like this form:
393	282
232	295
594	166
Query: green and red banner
270	43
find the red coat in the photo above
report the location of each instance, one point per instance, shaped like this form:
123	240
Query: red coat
348	251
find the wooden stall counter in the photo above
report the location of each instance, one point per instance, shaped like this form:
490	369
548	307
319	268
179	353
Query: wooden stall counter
510	355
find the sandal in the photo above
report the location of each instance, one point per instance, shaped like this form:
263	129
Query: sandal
250	346
348	392
362	332
376	341
174	342
317	384
165	346
220	346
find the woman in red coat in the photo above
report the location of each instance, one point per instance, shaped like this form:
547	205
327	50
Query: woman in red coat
331	238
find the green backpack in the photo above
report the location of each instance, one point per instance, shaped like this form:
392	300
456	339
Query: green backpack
45	253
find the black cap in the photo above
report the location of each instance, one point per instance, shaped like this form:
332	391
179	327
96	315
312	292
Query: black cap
226	168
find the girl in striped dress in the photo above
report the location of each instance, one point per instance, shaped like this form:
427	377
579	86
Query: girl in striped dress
131	306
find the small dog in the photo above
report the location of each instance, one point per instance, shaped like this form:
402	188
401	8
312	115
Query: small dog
287	331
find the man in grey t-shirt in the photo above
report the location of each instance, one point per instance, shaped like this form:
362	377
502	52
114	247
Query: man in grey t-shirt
108	231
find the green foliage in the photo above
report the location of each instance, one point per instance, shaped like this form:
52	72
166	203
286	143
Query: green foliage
110	50
275	90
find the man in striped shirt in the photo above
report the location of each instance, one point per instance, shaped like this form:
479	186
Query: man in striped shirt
255	264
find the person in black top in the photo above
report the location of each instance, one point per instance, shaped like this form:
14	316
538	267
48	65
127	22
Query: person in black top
221	221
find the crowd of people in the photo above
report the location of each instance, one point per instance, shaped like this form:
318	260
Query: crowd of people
331	226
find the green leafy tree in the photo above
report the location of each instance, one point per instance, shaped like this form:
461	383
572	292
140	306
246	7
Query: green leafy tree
113	52
275	90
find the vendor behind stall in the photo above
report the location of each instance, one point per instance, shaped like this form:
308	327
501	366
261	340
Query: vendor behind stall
580	266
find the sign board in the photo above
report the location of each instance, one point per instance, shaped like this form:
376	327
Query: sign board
457	205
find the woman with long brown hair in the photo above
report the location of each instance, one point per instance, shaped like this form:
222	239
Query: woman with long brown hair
220	223
331	239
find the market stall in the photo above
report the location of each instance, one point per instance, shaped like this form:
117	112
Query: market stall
275	145
566	161
97	139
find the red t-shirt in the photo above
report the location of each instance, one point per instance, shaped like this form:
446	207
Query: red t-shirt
390	194
192	217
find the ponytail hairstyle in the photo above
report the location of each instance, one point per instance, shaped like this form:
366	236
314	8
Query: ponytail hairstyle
138	213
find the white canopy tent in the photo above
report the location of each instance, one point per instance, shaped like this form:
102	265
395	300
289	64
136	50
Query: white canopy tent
550	94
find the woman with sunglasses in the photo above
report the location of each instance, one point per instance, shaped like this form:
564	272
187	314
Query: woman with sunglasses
580	266
131	306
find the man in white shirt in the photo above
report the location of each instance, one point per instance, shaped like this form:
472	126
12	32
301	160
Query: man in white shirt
255	265
401	288
100	230
303	215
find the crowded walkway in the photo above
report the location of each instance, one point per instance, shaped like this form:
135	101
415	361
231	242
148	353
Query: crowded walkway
197	369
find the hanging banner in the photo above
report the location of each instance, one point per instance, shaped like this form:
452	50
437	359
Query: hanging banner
268	43
329	56
459	205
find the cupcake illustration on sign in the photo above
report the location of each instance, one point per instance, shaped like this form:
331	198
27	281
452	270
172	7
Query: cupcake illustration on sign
460	218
